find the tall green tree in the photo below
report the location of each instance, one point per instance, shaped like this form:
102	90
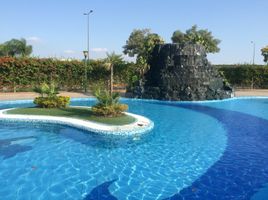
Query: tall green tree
15	48
264	52
195	36
2	53
141	43
135	43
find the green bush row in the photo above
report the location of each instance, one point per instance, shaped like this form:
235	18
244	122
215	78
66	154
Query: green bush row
23	73
245	76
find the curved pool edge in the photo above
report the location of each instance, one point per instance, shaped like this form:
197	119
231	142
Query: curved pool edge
21	101
142	124
198	102
236	180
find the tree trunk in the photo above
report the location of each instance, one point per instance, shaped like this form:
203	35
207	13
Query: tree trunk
14	87
252	83
111	78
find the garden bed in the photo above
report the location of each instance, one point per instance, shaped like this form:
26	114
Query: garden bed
74	112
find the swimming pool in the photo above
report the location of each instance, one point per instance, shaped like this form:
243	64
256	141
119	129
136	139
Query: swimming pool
208	150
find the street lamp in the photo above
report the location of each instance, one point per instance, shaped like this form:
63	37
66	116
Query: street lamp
86	53
87	14
85	79
253	60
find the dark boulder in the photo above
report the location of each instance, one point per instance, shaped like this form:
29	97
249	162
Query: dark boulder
182	73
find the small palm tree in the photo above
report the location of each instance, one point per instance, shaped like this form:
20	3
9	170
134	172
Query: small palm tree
112	60
106	99
49	90
16	47
108	104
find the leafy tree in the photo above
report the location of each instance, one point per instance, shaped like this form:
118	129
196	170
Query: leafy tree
135	43
149	43
141	43
195	36
2	53
16	48
264	52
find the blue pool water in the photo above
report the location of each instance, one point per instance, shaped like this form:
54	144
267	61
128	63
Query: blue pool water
211	150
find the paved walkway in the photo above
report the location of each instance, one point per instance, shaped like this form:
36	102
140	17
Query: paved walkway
251	92
32	95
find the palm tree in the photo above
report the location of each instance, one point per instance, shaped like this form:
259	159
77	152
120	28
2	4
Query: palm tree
112	60
26	50
15	47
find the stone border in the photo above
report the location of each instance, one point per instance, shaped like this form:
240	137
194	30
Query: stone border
140	126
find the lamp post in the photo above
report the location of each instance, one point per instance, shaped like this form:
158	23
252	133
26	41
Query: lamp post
253	63
87	14
253	59
85	78
86	53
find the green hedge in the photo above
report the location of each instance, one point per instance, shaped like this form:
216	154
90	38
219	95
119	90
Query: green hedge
245	76
22	73
27	72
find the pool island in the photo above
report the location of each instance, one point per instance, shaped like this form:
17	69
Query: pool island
81	117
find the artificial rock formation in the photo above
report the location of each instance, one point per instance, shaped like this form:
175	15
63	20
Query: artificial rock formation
182	73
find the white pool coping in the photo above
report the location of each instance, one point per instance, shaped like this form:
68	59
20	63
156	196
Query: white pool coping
140	126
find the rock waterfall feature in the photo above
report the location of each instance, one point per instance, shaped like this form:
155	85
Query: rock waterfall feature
182	73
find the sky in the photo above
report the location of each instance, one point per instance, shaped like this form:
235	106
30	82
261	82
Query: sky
58	28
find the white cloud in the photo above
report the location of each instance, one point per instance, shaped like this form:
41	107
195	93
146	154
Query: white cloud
33	39
69	52
99	49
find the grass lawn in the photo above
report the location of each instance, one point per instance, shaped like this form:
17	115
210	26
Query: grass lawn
80	113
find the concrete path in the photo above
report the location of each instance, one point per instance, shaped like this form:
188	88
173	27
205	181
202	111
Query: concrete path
251	92
32	95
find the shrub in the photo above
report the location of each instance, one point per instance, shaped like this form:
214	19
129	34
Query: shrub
105	98
108	104
109	111
47	90
52	102
49	98
63	101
